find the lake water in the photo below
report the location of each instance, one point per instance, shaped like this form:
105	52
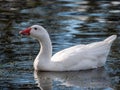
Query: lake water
69	22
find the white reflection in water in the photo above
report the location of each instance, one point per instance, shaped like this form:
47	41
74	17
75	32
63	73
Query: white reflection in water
89	79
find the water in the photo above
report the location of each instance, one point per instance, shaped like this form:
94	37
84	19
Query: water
69	22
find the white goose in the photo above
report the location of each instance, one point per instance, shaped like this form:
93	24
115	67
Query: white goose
79	57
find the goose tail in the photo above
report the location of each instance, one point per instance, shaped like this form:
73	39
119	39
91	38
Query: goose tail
110	39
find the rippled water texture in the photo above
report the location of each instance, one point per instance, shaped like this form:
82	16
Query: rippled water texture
69	22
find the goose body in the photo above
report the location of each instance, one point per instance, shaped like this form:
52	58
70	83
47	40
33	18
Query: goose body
79	57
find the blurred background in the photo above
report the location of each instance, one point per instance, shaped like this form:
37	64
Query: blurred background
69	22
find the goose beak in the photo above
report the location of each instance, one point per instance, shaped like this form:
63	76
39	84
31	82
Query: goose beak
25	32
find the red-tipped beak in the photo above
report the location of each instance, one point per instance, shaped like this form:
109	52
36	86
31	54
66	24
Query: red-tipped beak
25	32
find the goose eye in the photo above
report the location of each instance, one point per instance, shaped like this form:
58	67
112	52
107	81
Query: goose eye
35	28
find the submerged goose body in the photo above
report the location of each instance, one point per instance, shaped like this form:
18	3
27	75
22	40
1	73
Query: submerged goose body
79	57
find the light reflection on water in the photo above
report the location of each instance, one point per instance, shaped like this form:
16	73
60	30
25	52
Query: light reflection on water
69	22
93	79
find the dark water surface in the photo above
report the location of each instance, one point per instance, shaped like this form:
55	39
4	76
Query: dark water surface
69	22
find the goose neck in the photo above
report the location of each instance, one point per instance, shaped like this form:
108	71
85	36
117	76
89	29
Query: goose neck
46	47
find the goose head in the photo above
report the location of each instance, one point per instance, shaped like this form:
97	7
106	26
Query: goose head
35	31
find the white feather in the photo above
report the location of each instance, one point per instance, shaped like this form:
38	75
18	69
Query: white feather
83	57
